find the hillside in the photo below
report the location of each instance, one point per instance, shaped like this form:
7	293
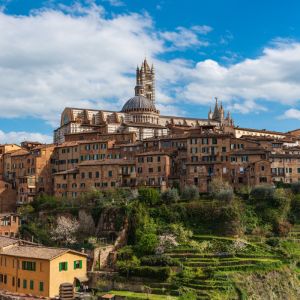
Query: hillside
222	245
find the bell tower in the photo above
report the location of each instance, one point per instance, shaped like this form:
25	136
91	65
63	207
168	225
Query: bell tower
145	81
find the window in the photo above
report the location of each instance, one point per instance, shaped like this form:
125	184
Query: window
77	264
149	159
223	149
63	266
82	175
13	281
110	173
141	159
97	174
158	158
150	170
90	175
205	141
214	141
31	285
28	265
24	284
194	150
41	286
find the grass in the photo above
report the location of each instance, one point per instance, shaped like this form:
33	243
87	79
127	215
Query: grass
134	296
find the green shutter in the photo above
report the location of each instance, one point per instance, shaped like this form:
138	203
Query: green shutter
31	285
74	264
24	283
41	286
23	265
80	264
66	266
60	267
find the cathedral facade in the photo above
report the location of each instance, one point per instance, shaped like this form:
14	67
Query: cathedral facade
139	115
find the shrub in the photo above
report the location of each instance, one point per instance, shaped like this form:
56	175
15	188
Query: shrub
225	195
274	242
125	253
147	244
125	266
295	187
158	273
170	196
221	190
282	228
187	294
149	196
262	193
159	260
295	209
190	193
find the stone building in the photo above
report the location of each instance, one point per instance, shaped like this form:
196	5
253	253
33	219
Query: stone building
139	115
137	146
31	172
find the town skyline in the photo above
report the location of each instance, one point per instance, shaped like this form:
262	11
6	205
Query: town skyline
207	56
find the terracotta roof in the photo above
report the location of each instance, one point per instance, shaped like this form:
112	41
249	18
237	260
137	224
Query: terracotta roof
6	241
260	130
39	252
107	162
152	153
67	144
20	152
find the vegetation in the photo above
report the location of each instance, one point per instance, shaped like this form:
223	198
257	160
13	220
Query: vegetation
181	244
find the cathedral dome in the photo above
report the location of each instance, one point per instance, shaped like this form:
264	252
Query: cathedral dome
139	103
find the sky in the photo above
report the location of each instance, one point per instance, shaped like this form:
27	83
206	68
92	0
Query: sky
57	54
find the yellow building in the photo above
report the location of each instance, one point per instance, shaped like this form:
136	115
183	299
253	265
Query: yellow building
37	270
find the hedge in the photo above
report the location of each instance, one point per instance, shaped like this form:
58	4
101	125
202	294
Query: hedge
159	273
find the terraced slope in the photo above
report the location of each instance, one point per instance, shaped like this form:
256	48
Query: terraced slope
209	274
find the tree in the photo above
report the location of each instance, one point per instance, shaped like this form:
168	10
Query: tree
190	193
65	230
170	196
149	196
221	190
295	187
147	244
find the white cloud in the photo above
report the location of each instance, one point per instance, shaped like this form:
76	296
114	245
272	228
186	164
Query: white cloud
291	114
273	76
183	38
116	3
78	56
16	137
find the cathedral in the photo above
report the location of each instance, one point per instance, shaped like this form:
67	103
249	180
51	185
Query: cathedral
139	115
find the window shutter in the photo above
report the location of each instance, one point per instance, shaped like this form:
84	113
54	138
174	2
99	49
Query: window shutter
74	264
66	266
80	264
60	267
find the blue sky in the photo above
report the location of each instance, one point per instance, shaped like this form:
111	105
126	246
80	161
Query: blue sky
84	53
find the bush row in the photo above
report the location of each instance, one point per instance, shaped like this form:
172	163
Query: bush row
159	273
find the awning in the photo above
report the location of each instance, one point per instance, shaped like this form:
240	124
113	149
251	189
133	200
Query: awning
82	278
